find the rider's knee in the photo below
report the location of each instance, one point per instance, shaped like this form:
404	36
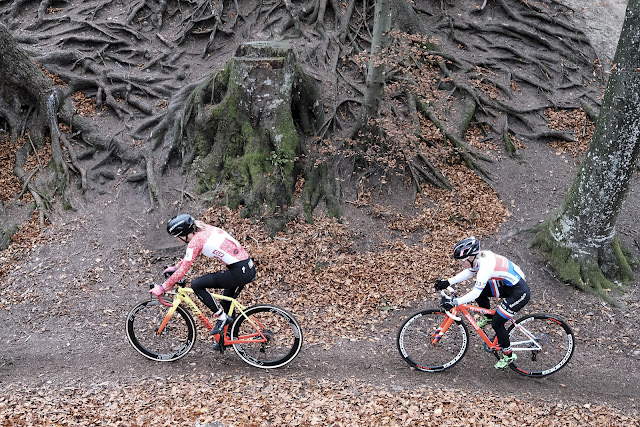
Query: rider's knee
498	322
197	284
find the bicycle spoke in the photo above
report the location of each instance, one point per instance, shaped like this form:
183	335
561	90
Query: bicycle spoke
176	339
423	347
544	344
271	336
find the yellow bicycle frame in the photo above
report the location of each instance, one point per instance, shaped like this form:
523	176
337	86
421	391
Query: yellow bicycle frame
182	295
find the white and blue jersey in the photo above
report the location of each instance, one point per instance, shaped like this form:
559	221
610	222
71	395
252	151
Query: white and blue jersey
491	270
496	277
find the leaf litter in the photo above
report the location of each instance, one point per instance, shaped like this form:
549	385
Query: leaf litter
317	272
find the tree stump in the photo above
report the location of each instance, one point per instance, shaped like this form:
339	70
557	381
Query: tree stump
246	138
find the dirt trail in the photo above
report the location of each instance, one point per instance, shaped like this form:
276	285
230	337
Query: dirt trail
67	336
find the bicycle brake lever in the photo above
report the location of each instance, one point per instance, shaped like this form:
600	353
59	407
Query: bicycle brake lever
451	291
449	296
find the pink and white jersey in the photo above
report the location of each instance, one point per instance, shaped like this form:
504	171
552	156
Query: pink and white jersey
219	244
212	242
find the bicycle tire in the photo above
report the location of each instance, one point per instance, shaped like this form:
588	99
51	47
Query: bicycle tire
176	339
282	330
414	341
555	337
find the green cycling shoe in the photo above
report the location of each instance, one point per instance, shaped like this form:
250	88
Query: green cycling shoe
484	321
505	361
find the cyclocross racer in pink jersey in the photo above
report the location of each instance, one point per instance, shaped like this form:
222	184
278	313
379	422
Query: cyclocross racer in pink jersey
496	277
212	242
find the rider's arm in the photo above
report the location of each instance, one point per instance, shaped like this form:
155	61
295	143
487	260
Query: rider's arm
472	295
483	272
461	277
193	250
172	268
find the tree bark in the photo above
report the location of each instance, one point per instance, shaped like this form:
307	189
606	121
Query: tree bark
22	83
28	105
580	237
376	68
247	139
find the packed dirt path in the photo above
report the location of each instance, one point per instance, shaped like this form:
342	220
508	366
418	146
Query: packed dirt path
66	360
64	306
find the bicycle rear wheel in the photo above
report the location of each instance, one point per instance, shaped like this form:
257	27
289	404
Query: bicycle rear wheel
175	341
281	330
415	341
543	343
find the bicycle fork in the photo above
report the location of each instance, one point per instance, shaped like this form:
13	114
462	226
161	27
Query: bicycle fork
439	332
166	319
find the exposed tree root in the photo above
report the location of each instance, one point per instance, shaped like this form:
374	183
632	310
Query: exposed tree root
500	63
431	174
468	154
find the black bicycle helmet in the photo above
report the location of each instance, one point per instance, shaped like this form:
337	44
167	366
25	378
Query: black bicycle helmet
466	248
181	225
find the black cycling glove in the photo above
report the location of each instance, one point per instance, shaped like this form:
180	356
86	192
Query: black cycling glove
441	284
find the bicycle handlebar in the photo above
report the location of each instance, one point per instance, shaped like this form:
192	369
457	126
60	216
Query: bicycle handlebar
450	290
444	294
163	302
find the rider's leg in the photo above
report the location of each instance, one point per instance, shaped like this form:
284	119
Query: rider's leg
200	286
509	307
220	279
517	297
484	302
232	281
508	356
237	274
503	337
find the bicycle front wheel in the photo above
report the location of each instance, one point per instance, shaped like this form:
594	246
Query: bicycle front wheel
543	343
175	341
418	347
269	336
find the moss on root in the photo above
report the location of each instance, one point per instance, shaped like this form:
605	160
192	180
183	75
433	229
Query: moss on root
242	127
608	270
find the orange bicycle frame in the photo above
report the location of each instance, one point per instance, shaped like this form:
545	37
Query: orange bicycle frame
465	310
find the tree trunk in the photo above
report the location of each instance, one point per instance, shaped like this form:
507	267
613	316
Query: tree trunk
247	140
28	105
7	228
580	237
376	69
22	85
